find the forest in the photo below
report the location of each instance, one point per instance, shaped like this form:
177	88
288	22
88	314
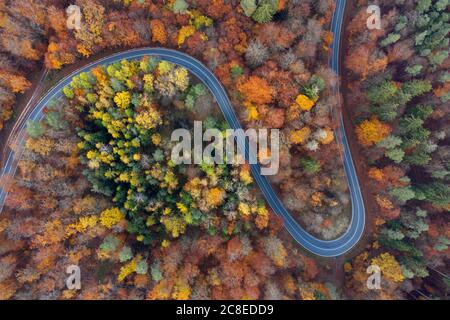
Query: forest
272	57
398	97
133	219
95	186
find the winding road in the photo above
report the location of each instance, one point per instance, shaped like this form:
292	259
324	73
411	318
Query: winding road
332	248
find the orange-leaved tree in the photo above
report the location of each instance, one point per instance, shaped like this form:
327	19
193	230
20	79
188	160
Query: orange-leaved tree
255	90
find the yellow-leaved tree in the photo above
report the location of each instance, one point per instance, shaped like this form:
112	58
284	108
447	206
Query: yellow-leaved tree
372	131
389	267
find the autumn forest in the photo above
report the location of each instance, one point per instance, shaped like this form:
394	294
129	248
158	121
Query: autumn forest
94	184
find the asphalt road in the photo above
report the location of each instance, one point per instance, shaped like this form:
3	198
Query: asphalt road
325	248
